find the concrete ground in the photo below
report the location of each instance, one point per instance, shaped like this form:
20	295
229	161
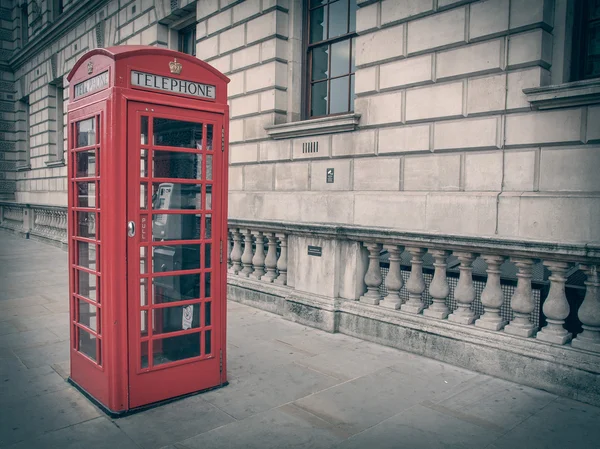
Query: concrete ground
290	386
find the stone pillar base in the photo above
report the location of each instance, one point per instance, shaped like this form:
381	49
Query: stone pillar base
369	300
390	304
439	314
412	308
519	331
461	319
490	325
550	337
586	344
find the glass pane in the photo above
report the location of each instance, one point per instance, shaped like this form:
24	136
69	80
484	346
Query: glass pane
176	133
86	224
176	227
353	57
207	311
209	197
144	292
207	342
173	319
86	194
172	349
86	285
207	255
314	3
143	196
207	226
176	288
171	164
594	10
340	58
86	164
340	88
144	131
320	62
143	259
338	22
144	163
318	99
352	26
209	167
143	322
207	289
175	258
86	132
318	24
87	344
352	92
171	196
144	355
593	48
86	255
209	137
87	314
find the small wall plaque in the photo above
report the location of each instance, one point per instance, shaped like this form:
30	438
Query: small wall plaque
330	176
315	251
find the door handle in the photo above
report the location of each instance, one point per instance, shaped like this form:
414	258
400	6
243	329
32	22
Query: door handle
131	229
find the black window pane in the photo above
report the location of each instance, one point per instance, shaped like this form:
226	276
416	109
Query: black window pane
314	3
353	57
592	66
318	99
352	26
177	133
352	93
338	23
320	62
595	10
318	24
340	58
340	88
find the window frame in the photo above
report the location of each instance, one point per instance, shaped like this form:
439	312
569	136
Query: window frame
24	13
57	150
579	44
307	62
181	35
23	135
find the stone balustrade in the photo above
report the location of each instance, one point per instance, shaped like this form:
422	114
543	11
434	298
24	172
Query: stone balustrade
47	223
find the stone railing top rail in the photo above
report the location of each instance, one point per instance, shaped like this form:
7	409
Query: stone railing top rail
33	206
585	252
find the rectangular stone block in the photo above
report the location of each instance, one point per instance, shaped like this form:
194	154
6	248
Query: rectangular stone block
380	45
236	178
248	104
266	75
275	22
416	70
291	176
219	21
279	150
485	57
466	134
488	18
377	173
245	57
353	143
530	48
273	48
314	147
522	79
404	139
441	100
531	12
245	10
432	172
437	31
570	169
519	170
544	127
366	80
379	109
462	213
231	39
236	130
254	127
393	10
366	18
258	177
486	94
207	48
593	124
341	175
236	84
206	7
239	154
318	275
403	210
483	172
273	100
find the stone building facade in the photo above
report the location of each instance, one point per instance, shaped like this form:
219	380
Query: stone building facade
421	173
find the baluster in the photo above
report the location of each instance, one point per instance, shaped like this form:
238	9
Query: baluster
492	296
258	261
521	302
415	284
464	293
393	280
556	307
439	288
373	277
282	262
247	255
229	249
271	259
236	252
589	312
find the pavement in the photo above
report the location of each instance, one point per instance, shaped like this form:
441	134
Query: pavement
290	386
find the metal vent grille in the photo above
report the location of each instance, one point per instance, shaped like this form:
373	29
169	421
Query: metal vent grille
174	5
310	147
100	34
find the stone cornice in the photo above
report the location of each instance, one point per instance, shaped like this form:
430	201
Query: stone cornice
578	93
314	127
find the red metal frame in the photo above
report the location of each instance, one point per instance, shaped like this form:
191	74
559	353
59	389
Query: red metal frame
115	377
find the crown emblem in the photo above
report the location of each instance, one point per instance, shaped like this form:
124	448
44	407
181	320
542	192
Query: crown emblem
175	66
90	67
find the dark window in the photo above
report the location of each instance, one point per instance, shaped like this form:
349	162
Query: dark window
187	40
24	25
586	42
330	56
58	8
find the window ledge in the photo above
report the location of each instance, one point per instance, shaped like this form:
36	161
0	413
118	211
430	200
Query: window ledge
578	93
314	127
23	167
55	163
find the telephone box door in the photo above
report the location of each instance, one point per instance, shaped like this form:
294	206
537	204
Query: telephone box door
175	168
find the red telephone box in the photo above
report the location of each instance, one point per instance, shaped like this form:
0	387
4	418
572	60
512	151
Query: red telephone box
147	163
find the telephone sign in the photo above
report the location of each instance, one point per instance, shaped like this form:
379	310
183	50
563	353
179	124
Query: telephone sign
147	170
